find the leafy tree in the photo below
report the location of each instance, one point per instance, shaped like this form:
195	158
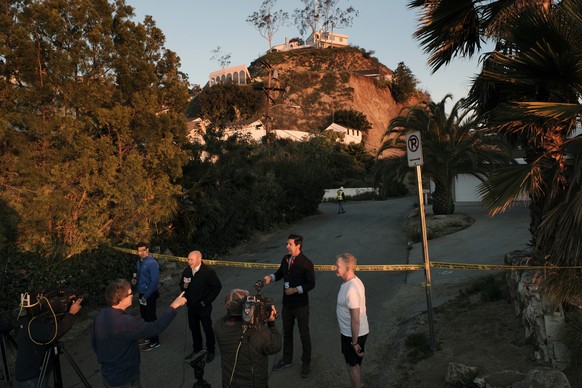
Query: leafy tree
222	58
451	147
349	118
528	90
334	17
242	186
223	103
266	21
323	14
88	154
403	83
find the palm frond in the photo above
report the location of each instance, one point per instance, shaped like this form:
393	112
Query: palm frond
560	231
505	188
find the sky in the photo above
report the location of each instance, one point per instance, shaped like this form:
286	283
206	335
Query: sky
193	28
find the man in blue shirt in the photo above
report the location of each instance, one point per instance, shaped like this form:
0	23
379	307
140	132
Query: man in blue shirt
115	335
148	277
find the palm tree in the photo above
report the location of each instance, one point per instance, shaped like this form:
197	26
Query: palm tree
451	146
529	91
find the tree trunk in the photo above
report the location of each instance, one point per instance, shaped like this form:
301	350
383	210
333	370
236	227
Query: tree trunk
442	199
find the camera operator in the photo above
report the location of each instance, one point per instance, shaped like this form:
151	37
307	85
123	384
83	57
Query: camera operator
244	350
36	336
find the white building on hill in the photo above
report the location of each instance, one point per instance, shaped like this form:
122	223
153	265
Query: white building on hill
349	135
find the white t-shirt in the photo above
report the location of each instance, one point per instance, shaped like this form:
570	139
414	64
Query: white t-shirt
351	295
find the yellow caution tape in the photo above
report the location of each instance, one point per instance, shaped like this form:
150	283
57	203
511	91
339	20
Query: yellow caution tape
365	268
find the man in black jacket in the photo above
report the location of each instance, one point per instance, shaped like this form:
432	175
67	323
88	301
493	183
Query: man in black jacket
201	286
298	275
244	350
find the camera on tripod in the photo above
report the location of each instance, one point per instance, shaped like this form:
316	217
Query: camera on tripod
48	304
257	308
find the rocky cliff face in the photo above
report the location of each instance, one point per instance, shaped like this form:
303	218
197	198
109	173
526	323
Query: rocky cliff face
322	81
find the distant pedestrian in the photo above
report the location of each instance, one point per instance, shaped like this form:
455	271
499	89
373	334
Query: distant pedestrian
298	276
148	278
201	286
351	316
341	198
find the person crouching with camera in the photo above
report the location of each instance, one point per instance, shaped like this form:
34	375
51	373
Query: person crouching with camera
244	348
36	337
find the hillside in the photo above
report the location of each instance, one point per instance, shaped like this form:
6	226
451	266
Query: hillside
322	80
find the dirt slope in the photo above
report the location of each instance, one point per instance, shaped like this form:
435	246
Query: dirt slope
322	81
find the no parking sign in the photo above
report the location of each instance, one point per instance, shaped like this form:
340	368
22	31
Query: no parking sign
414	149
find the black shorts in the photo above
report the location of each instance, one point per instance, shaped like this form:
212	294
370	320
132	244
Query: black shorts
348	350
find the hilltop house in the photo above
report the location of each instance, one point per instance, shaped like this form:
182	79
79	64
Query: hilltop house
237	74
323	39
349	135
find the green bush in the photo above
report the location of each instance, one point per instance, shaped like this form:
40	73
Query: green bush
87	275
490	288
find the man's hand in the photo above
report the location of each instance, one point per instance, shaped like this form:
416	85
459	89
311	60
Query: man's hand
267	279
76	306
273	315
290	290
179	301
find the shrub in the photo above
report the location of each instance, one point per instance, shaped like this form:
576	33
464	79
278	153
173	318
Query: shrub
418	346
489	288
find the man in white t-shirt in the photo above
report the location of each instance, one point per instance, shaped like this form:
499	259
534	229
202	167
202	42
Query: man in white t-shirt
351	316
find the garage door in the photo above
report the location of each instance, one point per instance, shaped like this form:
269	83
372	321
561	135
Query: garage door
465	188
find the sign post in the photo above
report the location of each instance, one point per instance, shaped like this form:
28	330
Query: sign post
415	159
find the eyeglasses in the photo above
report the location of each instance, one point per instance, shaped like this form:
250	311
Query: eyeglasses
130	294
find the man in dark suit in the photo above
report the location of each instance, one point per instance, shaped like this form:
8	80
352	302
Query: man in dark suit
298	276
201	286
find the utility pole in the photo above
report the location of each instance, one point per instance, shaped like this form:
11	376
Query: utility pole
273	76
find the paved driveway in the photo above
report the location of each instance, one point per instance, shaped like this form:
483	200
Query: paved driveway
373	232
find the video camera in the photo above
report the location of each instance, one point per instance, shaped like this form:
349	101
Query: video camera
257	308
48	304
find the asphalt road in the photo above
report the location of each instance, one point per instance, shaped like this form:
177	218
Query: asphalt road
372	231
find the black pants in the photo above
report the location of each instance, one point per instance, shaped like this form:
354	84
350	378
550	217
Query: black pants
201	316
302	316
148	312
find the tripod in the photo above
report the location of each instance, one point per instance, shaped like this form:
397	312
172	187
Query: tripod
198	363
4	336
52	355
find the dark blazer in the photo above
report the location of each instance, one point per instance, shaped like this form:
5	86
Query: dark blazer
204	286
301	274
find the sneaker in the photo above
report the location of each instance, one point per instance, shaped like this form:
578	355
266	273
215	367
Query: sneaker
150	346
282	365
210	356
143	341
305	370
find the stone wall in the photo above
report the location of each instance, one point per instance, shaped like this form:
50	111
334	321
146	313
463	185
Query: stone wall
542	319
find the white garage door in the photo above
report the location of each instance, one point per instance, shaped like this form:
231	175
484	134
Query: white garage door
465	188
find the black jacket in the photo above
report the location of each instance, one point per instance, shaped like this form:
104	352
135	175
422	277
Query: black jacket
204	286
301	274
